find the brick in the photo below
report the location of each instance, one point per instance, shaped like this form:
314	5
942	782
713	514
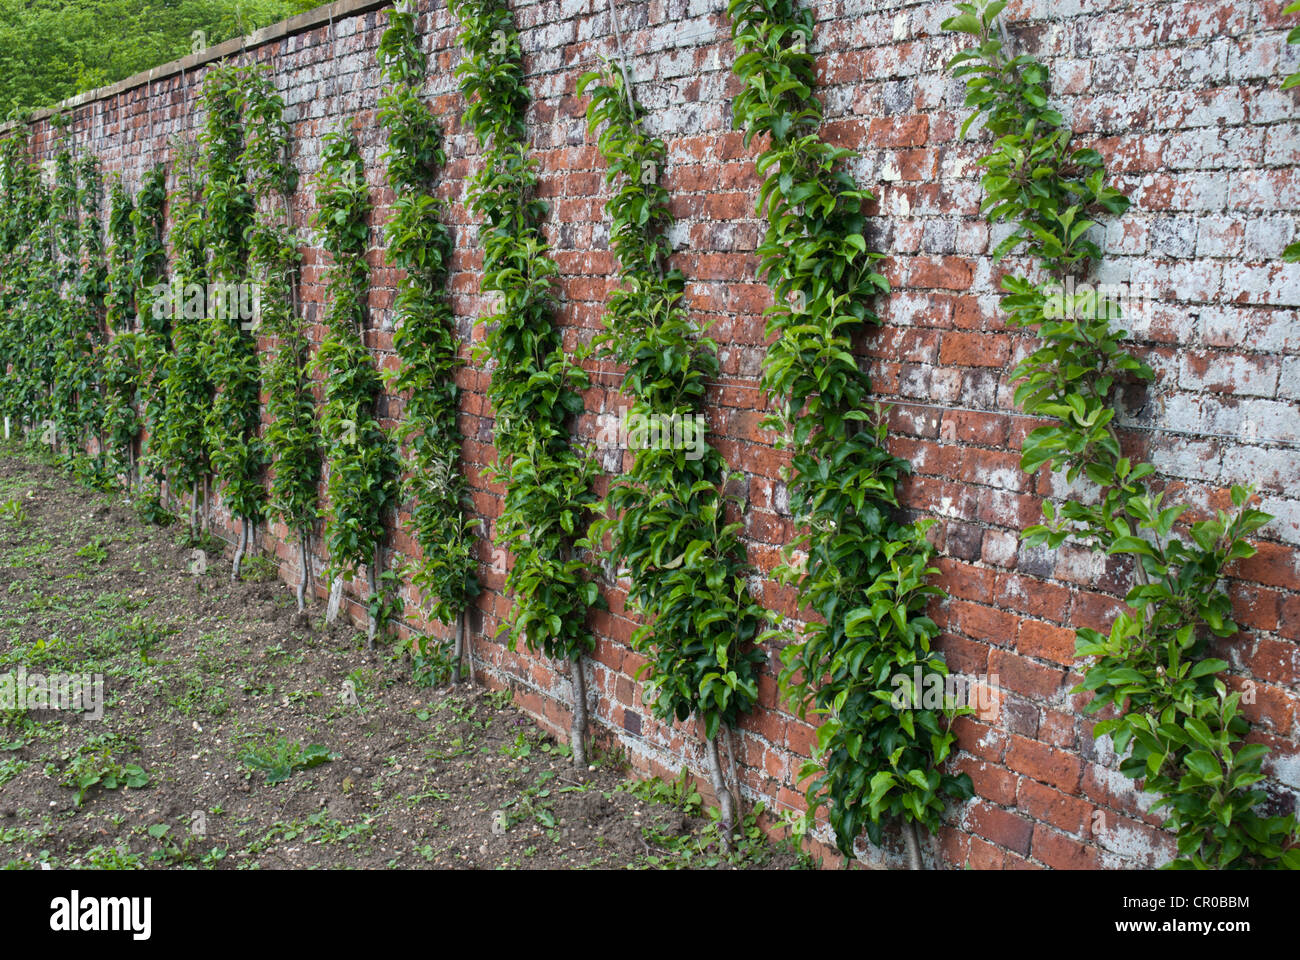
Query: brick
1003	827
985	623
1071	814
1025	676
974	349
1060	852
1046	641
1045	764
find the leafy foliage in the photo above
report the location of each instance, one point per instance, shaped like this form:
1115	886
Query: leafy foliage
187	385
71	364
232	424
420	244
866	571
278	758
1169	714
666	518
534	387
293	441
362	469
54	49
153	342
90	289
121	365
53	284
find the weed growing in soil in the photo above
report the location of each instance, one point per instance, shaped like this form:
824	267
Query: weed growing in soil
94	551
94	765
12	511
279	758
259	569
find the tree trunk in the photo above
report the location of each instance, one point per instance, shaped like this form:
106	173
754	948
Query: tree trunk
240	546
578	728
731	771
194	511
727	819
372	581
458	650
912	845
302	573
335	601
204	519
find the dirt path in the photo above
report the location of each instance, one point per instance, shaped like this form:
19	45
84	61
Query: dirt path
236	734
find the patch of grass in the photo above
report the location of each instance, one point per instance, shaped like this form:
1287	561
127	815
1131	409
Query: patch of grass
195	692
26	556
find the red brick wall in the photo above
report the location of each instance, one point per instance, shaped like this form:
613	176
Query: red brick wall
1182	99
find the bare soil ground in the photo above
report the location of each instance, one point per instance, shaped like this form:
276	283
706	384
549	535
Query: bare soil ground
237	734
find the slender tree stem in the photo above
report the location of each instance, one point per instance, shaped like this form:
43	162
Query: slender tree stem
240	547
578	729
372	581
912	845
458	648
727	819
302	572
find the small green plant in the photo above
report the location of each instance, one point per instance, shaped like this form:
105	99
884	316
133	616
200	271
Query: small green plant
680	793
533	803
105	857
95	550
149	509
258	569
501	699
521	749
432	661
13	511
184	853
278	758
93	765
10	767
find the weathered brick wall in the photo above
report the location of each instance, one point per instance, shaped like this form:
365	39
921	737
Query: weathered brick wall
1183	100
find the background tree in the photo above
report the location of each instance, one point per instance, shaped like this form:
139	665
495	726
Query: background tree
54	49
